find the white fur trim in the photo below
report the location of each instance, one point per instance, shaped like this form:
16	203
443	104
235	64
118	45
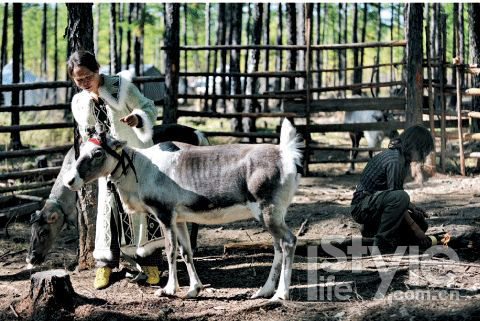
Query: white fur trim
202	139
144	133
103	255
149	247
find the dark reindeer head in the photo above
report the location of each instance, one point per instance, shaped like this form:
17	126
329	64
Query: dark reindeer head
45	228
99	157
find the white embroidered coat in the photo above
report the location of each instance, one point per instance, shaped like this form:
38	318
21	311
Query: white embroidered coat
121	98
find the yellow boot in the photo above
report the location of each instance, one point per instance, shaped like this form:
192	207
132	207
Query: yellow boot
102	278
153	274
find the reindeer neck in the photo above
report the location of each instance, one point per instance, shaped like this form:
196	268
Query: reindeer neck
126	171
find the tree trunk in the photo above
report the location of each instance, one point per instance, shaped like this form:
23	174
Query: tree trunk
266	109
364	35
339	41
222	33
138	38
55	54
172	62
114	67
207	52
3	53
79	36
379	38
291	24
344	51
462	43
414	50
120	35
300	7
248	29
43	72
185	53
251	105
128	58
236	26
357	73
279	53
474	25
96	29
220	39
391	39
453	98
15	142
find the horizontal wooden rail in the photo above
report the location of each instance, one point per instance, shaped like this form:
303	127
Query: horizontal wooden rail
25	187
397	43
188	113
35	85
8	129
335	88
334	161
34	107
34	152
345	149
278	95
31	172
347	104
245	74
240	134
316	128
66	84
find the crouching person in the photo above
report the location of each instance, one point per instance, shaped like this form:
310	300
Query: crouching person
112	104
379	202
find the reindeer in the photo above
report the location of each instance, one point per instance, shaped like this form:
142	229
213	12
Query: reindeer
180	183
60	207
374	137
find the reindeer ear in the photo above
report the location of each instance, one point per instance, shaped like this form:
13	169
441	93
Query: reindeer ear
118	145
91	131
52	218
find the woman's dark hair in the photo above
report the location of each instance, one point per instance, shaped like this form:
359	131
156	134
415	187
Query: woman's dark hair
82	58
416	138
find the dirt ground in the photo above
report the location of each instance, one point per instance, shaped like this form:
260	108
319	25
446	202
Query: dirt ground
436	290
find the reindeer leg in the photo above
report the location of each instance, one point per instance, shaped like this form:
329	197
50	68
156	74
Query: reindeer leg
284	245
187	255
170	230
355	138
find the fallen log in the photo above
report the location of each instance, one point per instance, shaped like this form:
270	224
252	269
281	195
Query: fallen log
322	247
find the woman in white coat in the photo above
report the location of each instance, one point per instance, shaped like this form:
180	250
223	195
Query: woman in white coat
115	105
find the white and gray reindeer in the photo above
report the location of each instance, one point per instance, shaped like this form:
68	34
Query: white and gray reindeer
180	183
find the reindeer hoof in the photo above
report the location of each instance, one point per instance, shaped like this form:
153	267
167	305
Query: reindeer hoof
193	292
279	297
166	291
262	293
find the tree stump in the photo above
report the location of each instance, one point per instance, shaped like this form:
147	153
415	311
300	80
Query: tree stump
51	297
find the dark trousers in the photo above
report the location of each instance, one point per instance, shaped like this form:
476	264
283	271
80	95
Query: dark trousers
382	215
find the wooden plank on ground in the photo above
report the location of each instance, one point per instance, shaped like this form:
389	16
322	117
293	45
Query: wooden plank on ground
347	104
321	247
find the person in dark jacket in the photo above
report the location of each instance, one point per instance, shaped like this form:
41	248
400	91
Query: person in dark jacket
379	202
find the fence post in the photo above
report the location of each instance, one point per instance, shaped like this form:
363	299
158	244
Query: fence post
172	62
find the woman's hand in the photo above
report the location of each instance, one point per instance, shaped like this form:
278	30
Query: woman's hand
131	120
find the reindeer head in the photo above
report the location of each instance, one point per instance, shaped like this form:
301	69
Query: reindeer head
46	225
98	158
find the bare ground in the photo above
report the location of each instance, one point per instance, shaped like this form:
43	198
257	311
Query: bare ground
435	291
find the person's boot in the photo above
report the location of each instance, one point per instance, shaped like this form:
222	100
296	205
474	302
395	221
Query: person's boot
152	273
102	278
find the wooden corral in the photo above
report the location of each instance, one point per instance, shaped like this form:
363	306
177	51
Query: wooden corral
301	105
